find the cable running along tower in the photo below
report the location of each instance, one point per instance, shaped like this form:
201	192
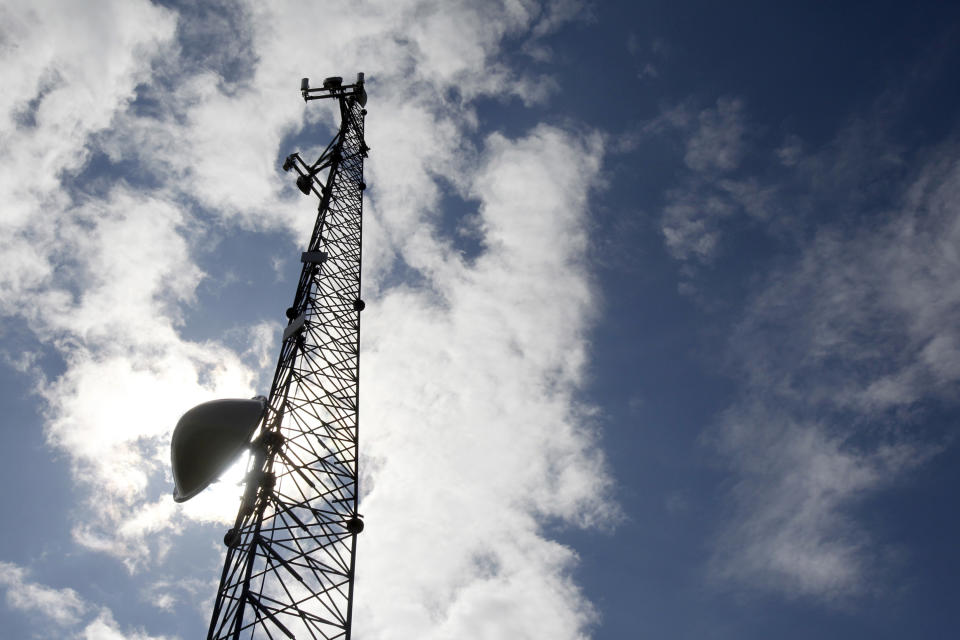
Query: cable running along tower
289	568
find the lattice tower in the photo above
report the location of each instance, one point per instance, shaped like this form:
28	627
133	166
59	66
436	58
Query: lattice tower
289	568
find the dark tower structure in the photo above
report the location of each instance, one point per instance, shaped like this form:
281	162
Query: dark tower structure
289	568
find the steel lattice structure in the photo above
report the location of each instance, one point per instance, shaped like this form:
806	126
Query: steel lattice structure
289	568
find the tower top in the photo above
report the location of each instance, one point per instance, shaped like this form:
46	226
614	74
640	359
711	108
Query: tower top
333	87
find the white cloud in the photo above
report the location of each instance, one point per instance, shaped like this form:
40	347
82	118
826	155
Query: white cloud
104	627
177	594
124	273
469	417
415	53
63	607
74	67
472	377
100	280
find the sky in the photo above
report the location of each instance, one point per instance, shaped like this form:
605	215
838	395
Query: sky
662	327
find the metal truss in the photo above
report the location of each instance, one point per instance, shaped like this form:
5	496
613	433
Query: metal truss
289	568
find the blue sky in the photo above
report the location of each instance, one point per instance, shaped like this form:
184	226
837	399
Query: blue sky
662	305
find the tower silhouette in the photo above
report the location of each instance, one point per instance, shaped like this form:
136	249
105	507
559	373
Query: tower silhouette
289	567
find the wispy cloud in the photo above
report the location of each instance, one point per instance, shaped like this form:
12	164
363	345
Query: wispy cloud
798	483
64	607
714	145
717	142
838	351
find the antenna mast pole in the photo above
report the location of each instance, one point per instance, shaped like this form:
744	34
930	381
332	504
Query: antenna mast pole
289	568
